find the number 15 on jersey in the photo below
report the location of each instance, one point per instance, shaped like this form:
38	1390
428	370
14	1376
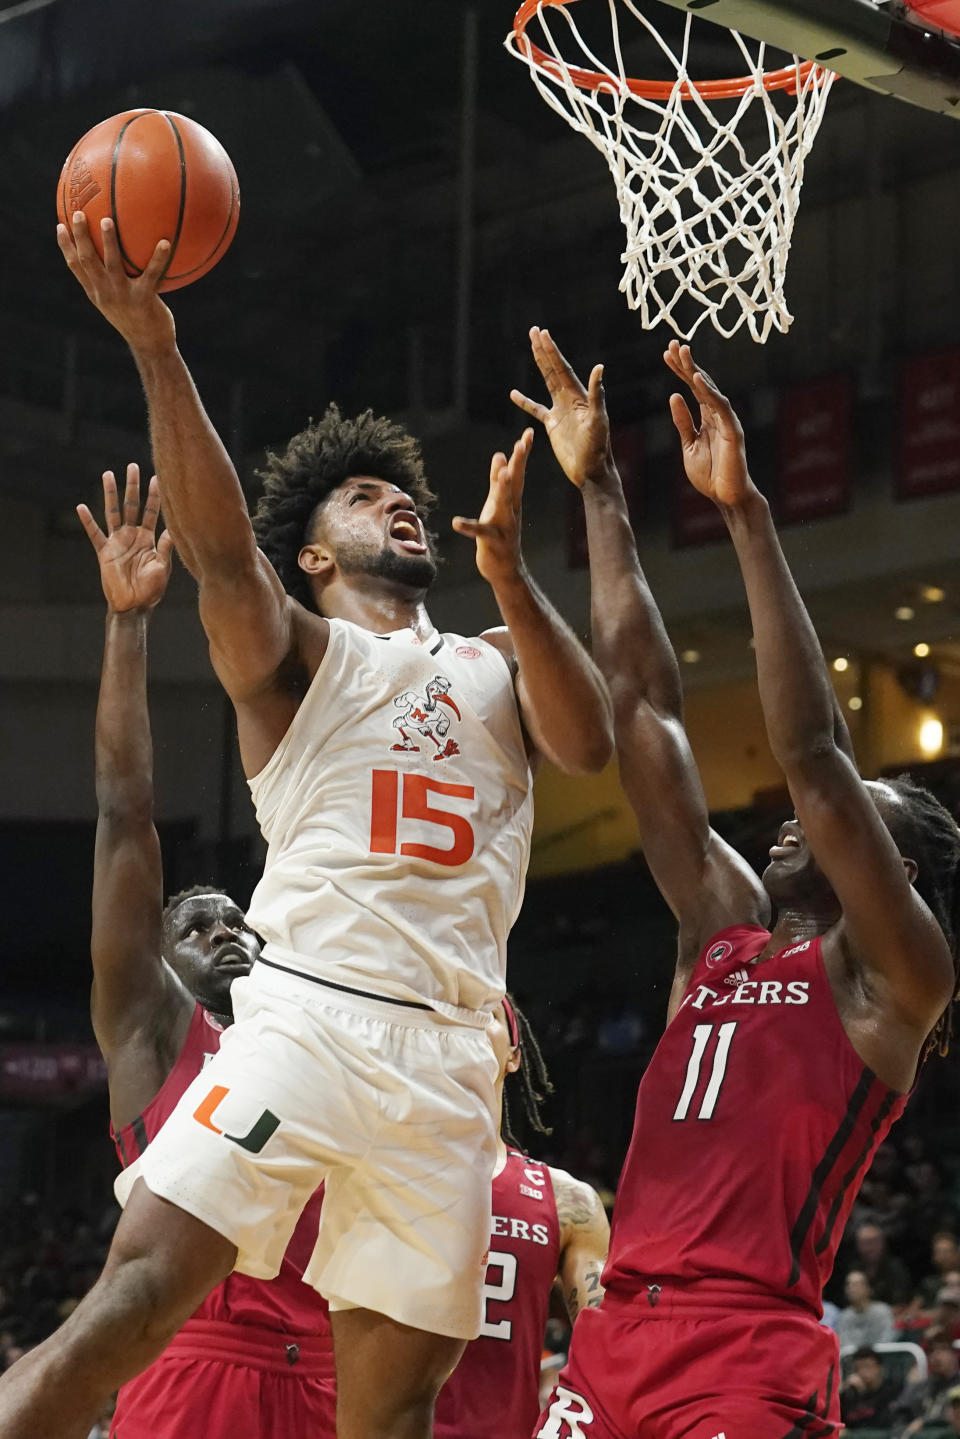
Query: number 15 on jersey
397	797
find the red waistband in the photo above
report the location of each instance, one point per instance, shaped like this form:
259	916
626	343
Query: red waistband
303	1356
661	1297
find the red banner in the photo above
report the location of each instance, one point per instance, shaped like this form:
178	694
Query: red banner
815	426
627	444
40	1073
929	405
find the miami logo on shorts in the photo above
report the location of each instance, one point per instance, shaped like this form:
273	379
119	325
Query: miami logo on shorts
254	1140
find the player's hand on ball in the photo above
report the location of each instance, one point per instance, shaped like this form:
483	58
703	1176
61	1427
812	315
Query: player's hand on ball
714	456
131	305
576	422
134	564
497	531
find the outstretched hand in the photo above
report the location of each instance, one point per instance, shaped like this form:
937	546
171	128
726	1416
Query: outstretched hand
714	456
134	564
497	531
131	304
576	422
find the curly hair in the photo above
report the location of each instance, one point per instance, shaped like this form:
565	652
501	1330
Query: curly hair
314	463
925	831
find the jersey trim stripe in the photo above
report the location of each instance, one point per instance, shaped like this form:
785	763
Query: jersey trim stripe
140	1133
853	1171
801	1228
118	1137
814	1424
343	988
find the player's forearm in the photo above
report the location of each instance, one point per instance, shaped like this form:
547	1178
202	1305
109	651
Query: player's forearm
565	701
630	641
203	503
122	744
803	722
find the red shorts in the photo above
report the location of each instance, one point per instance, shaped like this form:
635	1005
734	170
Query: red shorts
684	1370
231	1381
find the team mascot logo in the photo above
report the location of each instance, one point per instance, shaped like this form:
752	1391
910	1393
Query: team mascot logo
427	716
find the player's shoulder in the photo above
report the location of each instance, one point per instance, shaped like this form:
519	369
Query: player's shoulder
499	639
579	1206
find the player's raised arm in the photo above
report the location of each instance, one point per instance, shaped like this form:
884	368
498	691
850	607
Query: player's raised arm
584	1240
706	884
133	990
561	693
248	618
886	933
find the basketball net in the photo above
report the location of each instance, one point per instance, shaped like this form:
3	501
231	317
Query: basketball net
708	173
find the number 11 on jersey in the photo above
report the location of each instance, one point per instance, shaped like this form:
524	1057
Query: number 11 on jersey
701	1040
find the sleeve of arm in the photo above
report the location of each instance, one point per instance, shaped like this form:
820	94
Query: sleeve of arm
562	696
244	608
584	1240
891	933
705	882
130	980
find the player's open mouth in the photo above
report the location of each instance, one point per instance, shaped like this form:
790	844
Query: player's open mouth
788	841
405	529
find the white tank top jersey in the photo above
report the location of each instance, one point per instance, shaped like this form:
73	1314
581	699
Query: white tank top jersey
397	810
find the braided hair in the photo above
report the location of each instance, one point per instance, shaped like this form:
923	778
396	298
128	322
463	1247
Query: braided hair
924	830
532	1079
315	462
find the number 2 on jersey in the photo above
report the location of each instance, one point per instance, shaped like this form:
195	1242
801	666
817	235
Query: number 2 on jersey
396	797
502	1293
701	1039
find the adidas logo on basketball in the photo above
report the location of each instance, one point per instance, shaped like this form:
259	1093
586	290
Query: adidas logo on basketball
737	976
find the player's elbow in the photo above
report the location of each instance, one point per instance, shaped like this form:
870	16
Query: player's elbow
585	753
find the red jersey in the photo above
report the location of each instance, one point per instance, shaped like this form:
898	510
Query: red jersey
495	1388
756	1121
284	1304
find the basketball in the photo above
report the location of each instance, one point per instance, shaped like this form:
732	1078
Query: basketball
159	176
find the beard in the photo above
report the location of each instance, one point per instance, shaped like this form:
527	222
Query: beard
414	572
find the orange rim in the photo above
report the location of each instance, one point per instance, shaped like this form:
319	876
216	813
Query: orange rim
791	78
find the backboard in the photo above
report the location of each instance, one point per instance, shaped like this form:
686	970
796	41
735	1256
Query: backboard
873	44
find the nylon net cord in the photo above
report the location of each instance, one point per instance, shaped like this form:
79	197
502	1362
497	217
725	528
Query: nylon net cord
708	215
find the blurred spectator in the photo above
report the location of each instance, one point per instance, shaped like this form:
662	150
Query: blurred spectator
831	1314
865	1321
953	1409
888	1275
946	1316
867	1394
925	1401
945	1257
931	1208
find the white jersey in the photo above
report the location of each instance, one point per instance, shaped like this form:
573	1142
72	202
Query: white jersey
397	810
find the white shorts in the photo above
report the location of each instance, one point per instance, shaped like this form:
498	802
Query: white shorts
394	1109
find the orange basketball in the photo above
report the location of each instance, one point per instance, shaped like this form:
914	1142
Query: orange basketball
159	176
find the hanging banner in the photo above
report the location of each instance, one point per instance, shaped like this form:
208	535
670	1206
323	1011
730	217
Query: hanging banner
815	432
35	1073
626	441
928	459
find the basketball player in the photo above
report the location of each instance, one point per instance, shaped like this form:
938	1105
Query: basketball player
359	1053
547	1226
256	1359
788	1054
